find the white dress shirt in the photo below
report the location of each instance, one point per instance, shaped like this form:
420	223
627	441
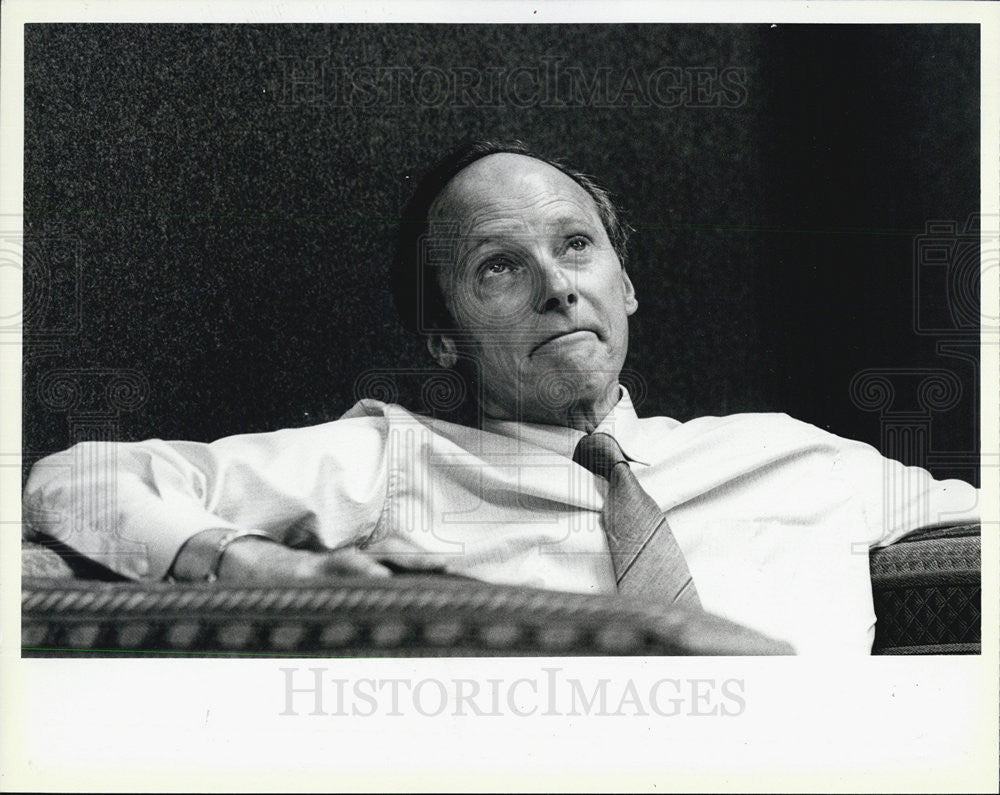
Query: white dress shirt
775	516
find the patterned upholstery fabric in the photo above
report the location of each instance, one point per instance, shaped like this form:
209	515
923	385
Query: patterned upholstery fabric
406	615
928	594
926	591
39	561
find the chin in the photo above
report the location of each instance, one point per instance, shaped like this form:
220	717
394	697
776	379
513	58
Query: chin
561	390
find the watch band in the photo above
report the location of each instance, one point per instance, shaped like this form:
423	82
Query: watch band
201	556
223	545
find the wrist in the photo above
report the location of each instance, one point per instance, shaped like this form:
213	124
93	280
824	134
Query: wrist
201	557
242	556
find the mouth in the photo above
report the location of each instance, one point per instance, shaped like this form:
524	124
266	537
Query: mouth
563	338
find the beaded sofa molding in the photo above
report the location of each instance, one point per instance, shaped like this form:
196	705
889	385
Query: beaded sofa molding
926	591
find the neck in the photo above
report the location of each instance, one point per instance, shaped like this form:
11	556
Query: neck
582	415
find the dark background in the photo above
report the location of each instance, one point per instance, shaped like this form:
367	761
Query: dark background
225	243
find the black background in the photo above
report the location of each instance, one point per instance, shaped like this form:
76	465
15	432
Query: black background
188	219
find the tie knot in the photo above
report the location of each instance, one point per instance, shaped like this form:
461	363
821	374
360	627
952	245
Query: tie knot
598	452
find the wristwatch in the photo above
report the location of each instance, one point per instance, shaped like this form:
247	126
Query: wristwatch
201	556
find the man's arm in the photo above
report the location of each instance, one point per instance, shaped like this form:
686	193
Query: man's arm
899	500
134	506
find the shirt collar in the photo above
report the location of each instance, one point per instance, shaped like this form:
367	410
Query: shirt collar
621	422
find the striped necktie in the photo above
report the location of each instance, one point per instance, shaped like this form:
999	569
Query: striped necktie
647	560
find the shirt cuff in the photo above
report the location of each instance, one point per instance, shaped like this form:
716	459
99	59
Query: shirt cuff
147	544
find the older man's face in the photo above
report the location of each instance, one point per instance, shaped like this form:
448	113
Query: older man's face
538	293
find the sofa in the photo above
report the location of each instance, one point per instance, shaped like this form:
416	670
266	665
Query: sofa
926	589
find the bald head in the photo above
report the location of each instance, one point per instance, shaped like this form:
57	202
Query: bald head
414	287
496	182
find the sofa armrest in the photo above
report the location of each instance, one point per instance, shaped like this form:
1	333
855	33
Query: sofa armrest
46	558
408	615
927	593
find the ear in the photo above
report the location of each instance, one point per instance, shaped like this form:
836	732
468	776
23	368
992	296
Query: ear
631	303
443	349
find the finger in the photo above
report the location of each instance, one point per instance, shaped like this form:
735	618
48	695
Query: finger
351	563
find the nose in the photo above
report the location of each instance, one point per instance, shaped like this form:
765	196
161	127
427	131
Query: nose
558	292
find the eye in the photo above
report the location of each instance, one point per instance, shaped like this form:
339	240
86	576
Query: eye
578	243
498	267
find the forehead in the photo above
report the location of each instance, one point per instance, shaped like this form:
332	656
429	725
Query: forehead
511	187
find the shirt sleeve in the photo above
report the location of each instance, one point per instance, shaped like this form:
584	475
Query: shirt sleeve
131	506
898	499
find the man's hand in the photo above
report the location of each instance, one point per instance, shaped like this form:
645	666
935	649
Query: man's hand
251	558
258	560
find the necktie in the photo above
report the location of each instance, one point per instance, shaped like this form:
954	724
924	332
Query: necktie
647	560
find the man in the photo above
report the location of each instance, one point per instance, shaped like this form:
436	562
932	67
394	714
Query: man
513	269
